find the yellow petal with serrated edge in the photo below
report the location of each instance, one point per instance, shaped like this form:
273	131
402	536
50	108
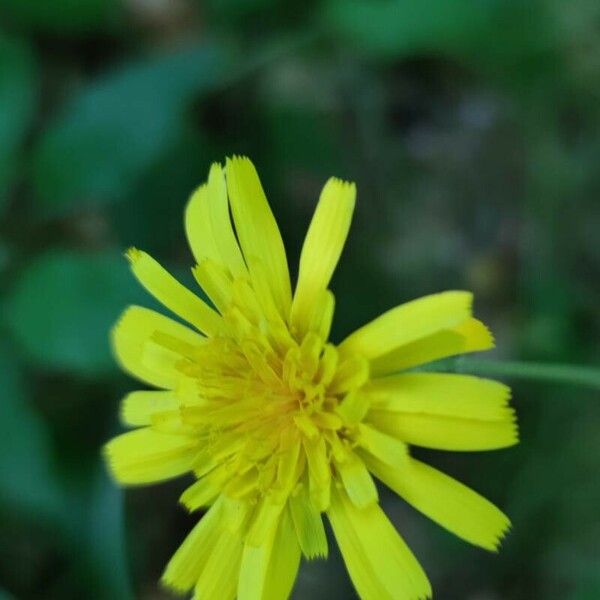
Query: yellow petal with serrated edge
407	323
257	229
285	560
134	331
469	336
308	524
137	408
184	568
379	563
147	456
446	433
322	249
446	501
172	294
442	394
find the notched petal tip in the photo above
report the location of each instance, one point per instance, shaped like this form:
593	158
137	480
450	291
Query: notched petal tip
237	160
512	418
491	339
515	429
501	536
133	254
342	183
466	294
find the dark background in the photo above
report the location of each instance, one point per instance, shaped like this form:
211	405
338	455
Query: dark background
471	129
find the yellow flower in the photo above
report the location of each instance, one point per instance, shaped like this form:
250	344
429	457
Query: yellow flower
280	426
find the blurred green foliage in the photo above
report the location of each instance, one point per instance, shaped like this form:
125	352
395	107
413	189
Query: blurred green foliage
62	17
18	87
472	130
98	286
112	132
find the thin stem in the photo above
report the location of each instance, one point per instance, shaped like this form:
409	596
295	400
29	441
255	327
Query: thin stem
534	371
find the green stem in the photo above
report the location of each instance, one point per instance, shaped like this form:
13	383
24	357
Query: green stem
534	371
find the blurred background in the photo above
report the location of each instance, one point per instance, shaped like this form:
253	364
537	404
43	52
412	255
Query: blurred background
472	131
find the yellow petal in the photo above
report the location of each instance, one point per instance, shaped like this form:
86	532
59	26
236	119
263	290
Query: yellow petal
322	249
379	563
288	464
184	568
176	297
284	563
171	422
219	578
214	280
263	288
200	494
353	408
131	337
319	472
198	226
357	481
257	229
137	408
407	323
385	447
446	501
442	394
469	336
308	524
264	521
255	563
446	433
351	374
321	315
222	228
236	516
146	456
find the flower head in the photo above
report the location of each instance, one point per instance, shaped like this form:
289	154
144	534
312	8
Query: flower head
278	425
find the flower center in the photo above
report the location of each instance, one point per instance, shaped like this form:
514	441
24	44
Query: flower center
271	410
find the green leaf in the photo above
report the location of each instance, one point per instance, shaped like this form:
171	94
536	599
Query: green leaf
27	483
61	16
18	95
387	28
61	309
489	35
118	127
